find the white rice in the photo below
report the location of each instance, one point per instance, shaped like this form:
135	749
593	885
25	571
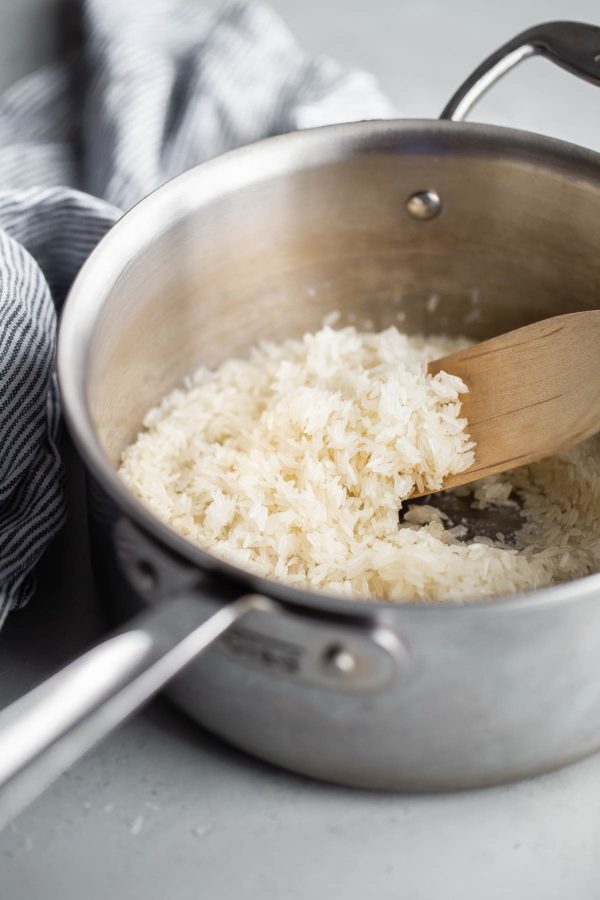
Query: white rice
294	462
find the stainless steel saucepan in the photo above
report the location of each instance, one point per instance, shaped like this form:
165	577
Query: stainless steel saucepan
370	218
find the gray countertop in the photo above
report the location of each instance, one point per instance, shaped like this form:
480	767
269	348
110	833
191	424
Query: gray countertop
162	809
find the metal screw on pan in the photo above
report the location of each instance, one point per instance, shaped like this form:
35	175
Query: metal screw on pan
144	575
424	205
338	660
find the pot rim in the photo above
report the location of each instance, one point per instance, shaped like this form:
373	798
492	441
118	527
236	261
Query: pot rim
224	174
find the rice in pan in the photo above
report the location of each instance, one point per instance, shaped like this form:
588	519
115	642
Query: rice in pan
295	461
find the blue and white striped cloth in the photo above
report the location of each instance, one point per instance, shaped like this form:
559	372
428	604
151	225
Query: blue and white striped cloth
158	86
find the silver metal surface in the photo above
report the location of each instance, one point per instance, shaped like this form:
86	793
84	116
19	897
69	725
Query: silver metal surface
43	733
357	655
323	654
339	659
292	229
574	46
470	93
307	223
424	205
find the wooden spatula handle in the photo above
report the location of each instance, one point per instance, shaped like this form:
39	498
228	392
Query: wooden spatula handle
532	392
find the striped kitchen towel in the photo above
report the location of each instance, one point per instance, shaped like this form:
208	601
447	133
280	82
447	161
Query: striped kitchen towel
158	86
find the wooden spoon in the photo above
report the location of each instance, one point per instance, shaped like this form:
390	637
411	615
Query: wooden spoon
532	392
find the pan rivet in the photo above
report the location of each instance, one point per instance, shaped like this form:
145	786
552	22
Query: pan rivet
424	205
145	575
339	660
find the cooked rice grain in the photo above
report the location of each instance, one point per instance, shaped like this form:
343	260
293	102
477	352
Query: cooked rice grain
294	462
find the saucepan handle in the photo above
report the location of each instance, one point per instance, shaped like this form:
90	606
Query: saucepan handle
47	730
574	46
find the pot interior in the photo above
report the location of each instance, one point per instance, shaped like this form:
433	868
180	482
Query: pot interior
263	243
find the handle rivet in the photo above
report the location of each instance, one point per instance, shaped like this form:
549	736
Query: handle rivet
144	575
424	205
339	660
